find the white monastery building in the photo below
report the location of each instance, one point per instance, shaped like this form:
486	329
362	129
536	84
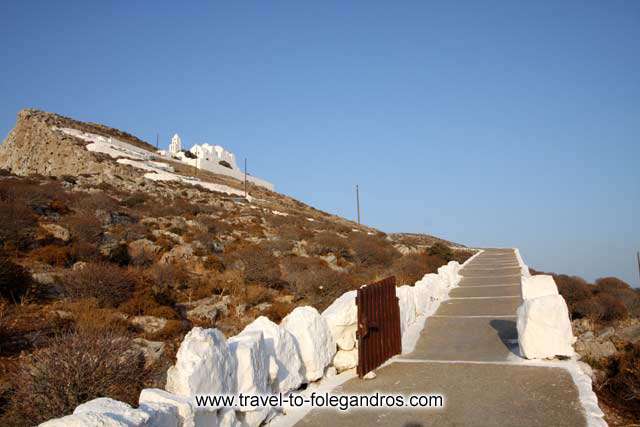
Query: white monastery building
213	158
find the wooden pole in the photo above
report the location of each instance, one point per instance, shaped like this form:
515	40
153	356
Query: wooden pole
245	177
638	255
358	202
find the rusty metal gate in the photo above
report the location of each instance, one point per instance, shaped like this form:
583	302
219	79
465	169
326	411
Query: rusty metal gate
378	324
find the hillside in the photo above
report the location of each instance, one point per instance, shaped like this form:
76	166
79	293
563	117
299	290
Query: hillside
100	243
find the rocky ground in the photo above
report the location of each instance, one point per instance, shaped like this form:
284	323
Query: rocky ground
89	245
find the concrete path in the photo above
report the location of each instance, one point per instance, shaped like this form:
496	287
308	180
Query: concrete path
468	352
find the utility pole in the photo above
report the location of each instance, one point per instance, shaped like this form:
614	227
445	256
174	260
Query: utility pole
638	255
245	177
157	139
358	202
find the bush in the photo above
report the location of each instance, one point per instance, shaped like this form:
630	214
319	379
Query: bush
577	293
134	200
372	250
18	222
84	227
621	389
612	308
620	290
441	250
74	368
260	266
14	280
109	284
57	256
325	243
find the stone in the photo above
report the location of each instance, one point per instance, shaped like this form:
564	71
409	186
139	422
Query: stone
427	291
344	360
538	286
342	318
595	349
188	415
204	365
206	308
44	278
606	333
143	249
313	338
152	351
407	302
544	329
180	253
119	411
370	376
281	346
149	324
630	333
56	231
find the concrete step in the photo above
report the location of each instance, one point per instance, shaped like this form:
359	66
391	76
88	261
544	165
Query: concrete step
479	307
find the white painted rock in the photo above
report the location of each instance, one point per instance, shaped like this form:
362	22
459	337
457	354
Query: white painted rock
538	286
228	418
314	340
188	415
342	318
281	346
160	414
544	329
84	420
426	292
407	302
252	361
449	273
119	411
344	360
203	365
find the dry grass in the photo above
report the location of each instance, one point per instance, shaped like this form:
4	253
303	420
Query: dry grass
109	284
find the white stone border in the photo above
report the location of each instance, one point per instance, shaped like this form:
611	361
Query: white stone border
588	399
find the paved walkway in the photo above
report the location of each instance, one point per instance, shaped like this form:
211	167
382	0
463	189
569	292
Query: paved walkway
467	352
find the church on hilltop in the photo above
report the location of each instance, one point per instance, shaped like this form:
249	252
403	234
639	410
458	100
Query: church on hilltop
213	158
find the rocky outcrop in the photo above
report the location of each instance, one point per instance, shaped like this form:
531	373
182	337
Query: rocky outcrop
36	146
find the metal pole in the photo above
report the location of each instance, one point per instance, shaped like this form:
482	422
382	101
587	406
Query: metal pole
358	202
245	177
638	255
157	138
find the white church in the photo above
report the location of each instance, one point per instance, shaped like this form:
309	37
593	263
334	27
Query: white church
213	158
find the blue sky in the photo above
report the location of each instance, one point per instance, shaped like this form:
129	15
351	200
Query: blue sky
487	123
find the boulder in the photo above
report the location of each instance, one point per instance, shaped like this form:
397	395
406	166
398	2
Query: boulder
595	349
344	360
149	324
426	292
207	308
544	329
538	286
407	302
630	333
227	418
253	371
84	420
313	338
114	409
180	253
187	414
143	249
56	231
281	347
152	351
449	274
204	365
342	318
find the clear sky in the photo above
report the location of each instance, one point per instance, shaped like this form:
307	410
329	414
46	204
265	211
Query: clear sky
486	123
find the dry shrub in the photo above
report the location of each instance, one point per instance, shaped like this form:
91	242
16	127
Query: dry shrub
277	245
260	266
372	250
109	284
88	316
169	275
14	280
325	243
441	250
134	200
255	294
57	256
621	389
278	311
612	308
462	255
74	368
620	290
173	329
577	293
320	285
18	223
83	251
410	268
213	225
91	202
229	282
294	232
84	226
